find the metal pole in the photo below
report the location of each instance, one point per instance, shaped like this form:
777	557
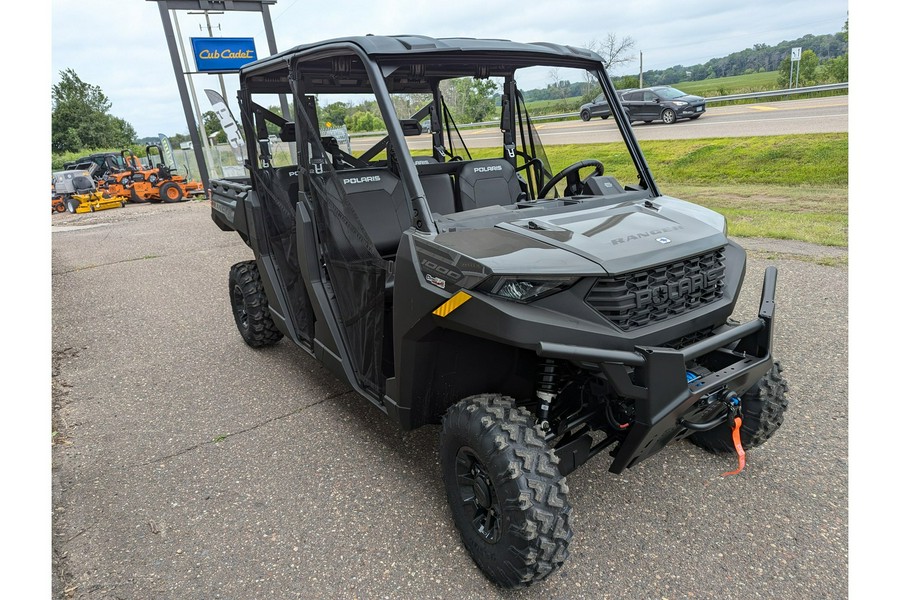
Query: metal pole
182	90
205	147
641	76
791	78
221	78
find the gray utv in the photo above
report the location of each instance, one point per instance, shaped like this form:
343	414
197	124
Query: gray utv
538	315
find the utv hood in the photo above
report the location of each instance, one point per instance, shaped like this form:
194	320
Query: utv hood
617	239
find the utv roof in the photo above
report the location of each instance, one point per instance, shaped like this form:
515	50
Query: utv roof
408	46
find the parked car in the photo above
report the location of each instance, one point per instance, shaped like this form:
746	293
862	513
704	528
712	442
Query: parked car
599	107
663	103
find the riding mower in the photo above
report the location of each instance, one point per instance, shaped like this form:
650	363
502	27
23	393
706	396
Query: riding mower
76	192
161	182
117	182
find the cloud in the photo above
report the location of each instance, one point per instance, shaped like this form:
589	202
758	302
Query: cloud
124	51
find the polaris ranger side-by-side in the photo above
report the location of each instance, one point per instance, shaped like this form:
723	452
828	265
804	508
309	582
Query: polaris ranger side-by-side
540	314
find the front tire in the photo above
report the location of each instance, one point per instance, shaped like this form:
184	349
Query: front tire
72	204
763	408
585	115
250	306
668	116
505	490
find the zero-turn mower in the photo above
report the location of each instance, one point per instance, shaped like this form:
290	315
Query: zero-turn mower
161	182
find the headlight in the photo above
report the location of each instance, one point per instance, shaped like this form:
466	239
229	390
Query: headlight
679	103
525	289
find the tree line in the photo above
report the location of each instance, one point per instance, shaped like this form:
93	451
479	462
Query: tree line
828	49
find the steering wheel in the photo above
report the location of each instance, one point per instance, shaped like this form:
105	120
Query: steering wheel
574	185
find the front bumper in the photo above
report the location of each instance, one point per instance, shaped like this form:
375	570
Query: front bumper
656	377
691	110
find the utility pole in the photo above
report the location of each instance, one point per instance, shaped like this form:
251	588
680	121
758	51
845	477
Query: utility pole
641	72
205	149
209	28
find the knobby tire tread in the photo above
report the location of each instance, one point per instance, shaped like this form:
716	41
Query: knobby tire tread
539	532
260	330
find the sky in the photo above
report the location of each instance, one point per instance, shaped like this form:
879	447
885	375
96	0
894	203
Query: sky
125	52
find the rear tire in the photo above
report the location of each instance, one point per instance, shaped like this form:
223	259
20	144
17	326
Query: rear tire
250	306
171	192
505	490
763	408
136	198
72	204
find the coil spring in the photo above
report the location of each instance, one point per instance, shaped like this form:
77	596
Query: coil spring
546	388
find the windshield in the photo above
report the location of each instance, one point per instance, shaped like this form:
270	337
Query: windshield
496	129
670	93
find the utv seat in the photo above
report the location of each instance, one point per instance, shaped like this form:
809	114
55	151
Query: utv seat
488	183
438	188
377	197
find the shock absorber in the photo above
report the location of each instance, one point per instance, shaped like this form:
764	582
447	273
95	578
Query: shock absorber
546	389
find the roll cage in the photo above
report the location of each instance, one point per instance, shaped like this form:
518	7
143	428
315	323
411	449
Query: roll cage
382	66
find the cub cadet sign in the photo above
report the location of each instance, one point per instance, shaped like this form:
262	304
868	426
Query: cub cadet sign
222	54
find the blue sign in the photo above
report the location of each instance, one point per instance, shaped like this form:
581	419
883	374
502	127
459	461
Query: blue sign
222	55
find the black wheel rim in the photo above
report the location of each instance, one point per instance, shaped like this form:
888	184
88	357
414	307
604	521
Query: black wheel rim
478	495
240	311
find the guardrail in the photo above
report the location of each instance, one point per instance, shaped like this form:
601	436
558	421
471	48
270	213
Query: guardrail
828	87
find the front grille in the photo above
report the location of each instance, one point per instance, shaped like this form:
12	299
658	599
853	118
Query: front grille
641	298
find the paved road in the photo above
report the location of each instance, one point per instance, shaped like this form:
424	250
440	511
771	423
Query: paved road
191	466
817	115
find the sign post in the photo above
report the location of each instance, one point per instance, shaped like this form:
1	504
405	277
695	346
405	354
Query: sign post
260	6
795	58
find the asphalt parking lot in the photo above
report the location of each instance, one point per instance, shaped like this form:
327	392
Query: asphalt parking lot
188	465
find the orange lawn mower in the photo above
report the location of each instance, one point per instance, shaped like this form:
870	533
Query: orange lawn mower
118	182
161	182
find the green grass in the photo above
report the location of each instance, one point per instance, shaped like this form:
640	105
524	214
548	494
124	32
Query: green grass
737	84
808	213
783	187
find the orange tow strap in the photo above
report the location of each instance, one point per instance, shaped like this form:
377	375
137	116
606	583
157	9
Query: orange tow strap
736	438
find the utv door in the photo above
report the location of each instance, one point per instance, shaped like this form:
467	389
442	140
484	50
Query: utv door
360	210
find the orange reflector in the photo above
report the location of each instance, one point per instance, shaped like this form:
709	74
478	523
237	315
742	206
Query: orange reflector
457	300
736	438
